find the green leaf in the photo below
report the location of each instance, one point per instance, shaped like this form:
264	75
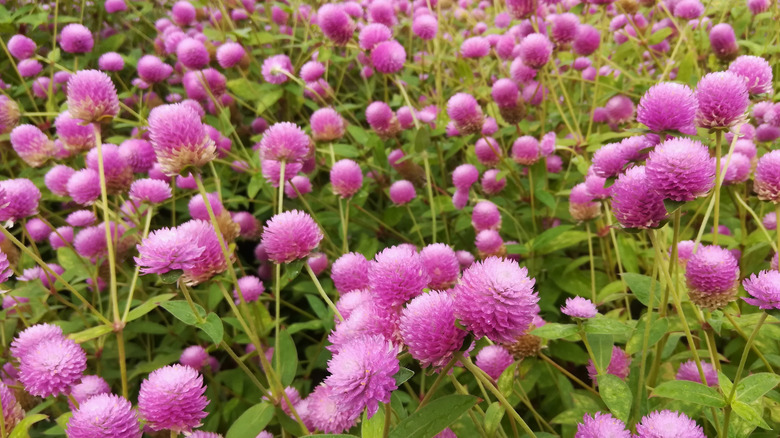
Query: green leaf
749	414
602	350
147	306
434	417
753	387
373	427
245	89
91	333
171	277
72	264
659	36
317	306
269	98
657	330
252	421
605	326
291	271
21	429
288	358
691	392
553	330
403	375
506	381
255	184
540	241
672	206
640	286
422	139
182	311
616	395
213	327
288	424
493	415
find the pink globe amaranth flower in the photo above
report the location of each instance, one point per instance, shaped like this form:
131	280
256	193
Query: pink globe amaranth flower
198	209
183	12
564	27
635	202
74	134
26	341
464	176
723	41
150	190
402	192
425	26
735	169
327	125
274	69
493	360
350	272
61	237
111	61
272	169
758	6
464	110
251	288
382	120
21	199
179	138
619	365
712	274
373	34
76	38
203	84
428	329
21	47
578	307
32	145
346	178
601	425
5	268
368	318
756	72
167	249
312	71
230	54
9	114
662	424
326	411
770	221
290	236
442	265
490	126
688	9
194	357
689	371
475	47
535	50
81	218
489	243
486	216
172	398
350	301
300	183
92	96
84	186
766	183
12	410
495	298
52	366
318	262
586	40
388	57
192	53
284	141
764	288
521	73
37	229
723	99
668	106
88	387
490	182
581	204
520	9
139	154
29	68
680	169
525	150
115	6
554	163
104	416
505	93
117	171
620	109
397	275
152	70
488	151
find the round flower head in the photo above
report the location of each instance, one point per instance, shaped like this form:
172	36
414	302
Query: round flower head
486	216
723	41
113	6
578	307
197	207
495	298
397	275
272	171
689	371
535	50
179	138
428	329
327	125
635	202
150	190
764	289
490	182
488	151
61	237
712	274
525	150
26	341
290	236
564	27
92	96
230	54
21	47
284	141
402	192
192	53
425	26
680	169
183	12
619	364
74	134
111	61
373	34
382	120
326	411
52	366
105	415
207	263
362	373
318	262
251	288
767	178
84	186
335	23
736	169
274	69
81	218
756	72
586	40
172	398
688	9
723	99
37	229
117	171
388	57
346	178
29	68
350	301
89	387
350	272
76	38
758	6
620	109
770	221
165	250
442	265
668	106
312	71
581	204
301	185
595	185
601	425
194	357
464	110
9	114
21	199
464	176
12	410
493	360
668	424
520	9
505	93
475	47
489	242
32	145
152	70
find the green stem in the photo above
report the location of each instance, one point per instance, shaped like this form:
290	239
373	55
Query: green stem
438	380
429	186
133	282
592	265
416	227
569	375
716	216
322	291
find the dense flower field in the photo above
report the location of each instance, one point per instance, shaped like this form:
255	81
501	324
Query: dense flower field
389	218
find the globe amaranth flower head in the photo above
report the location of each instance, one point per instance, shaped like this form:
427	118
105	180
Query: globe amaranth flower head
192	53
251	288
21	47
428	329
442	265
230	54
493	360
327	124
495	298
26	341
21	199
179	138
663	424
723	99
346	178
290	236
578	307
111	61
689	371
681	169
104	416
92	96
764	289
582	206
425	26
5	267
74	134
284	141
276	69
601	425
609	160
12	410
152	69
9	114
335	23
362	373
526	150
486	216
766	183
326	411
723	41
397	275
402	192
172	398
52	366
466	113
388	57
32	145
535	50
84	186
350	272
382	120
619	364
194	357
520	9
756	72
165	250
712	274
117	171
88	387
76	38
668	106
150	190
635	202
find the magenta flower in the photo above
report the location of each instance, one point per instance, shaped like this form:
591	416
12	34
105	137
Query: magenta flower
425	26
139	154
326	410
635	203
564	27
311	71
489	242
12	410
464	110
373	34
150	190
81	218
475	47
32	145
619	364
104	416
116	169
89	387
335	23
493	360
167	249
346	178
382	120
442	265
5	267
290	236
251	289
681	169
37	229
183	12
662	424
52	366
276	69
581	203
192	53
526	151
486	216
327	125
21	199
350	272
388	57
723	41
92	96
230	54
609	160
764	289
490	182
756	72
689	371
152	70
179	138
520	9
300	183
402	192
488	151
397	275
76	38
587	40
578	307
428	329
29	68
172	398
535	50
28	339
74	134
9	114
601	425
21	47
767	178
712	274
668	106
723	99
284	141
84	186
194	357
